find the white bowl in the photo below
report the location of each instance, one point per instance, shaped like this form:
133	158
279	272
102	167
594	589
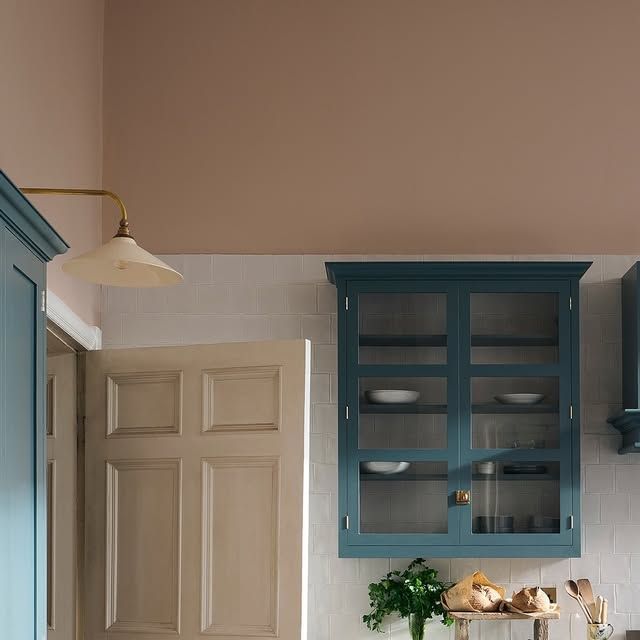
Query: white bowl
384	468
391	396
519	398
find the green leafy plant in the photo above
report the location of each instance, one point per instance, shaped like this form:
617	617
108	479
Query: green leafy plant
413	593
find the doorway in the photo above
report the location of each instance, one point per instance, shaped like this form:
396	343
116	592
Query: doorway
193	483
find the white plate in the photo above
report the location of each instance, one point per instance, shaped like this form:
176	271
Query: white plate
384	468
391	396
519	398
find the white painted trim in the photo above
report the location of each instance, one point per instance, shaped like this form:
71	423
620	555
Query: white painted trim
90	337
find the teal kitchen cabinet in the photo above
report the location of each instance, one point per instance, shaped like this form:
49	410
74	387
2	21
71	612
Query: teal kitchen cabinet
27	242
628	420
458	389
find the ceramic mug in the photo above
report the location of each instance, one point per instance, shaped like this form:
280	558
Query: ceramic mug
599	631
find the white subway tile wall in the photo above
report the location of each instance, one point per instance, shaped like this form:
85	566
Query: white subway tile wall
236	298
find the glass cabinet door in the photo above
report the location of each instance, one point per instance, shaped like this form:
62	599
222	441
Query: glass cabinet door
402	430
515	388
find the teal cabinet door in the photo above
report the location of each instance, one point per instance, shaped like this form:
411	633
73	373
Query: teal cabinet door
27	242
22	443
401	424
516	401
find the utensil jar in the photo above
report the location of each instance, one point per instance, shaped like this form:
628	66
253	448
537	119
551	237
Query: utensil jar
599	631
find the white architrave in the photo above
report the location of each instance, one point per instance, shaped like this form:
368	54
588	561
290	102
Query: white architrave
86	335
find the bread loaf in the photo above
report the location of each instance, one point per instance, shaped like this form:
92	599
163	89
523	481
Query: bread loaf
531	600
484	598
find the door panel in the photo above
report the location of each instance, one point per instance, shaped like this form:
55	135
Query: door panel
240	511
196	493
61	496
144	404
143	545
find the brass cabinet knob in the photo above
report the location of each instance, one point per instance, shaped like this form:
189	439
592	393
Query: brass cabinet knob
463	497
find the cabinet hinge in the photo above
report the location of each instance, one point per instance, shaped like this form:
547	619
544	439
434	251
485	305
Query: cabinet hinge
346	412
571	522
346	303
346	521
43	301
570	412
570	303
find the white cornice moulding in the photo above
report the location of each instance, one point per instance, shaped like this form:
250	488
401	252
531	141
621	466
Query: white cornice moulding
90	337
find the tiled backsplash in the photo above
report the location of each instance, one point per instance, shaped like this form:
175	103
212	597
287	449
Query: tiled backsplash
238	298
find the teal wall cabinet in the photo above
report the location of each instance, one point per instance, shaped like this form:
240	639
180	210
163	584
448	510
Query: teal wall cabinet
627	422
27	242
458	389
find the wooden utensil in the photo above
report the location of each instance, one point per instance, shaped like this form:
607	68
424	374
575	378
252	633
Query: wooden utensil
586	592
572	589
599	605
605	611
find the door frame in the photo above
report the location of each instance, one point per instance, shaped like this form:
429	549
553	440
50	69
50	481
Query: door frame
73	342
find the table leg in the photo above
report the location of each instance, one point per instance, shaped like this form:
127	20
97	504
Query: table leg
462	629
540	630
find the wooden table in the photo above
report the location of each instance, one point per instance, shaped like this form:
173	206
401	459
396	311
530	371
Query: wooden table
540	621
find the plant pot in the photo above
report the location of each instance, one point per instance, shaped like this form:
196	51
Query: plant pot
416	626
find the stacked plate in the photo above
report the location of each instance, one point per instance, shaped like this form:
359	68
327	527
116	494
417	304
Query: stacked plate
519	398
544	524
383	467
486	468
518	468
391	396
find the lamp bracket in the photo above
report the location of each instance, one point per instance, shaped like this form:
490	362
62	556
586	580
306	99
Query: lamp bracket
123	228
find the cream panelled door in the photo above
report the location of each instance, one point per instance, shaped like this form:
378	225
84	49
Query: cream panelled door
61	497
196	492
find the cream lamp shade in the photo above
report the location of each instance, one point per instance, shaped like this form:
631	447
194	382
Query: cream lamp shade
120	262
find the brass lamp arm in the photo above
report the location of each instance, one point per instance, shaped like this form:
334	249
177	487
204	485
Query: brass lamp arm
123	229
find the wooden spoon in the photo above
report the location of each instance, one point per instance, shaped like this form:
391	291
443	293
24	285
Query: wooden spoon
586	592
599	605
572	589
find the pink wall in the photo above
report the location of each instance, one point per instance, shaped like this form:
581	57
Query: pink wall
345	126
369	126
51	120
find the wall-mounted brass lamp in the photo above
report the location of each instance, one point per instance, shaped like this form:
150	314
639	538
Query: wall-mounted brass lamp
119	262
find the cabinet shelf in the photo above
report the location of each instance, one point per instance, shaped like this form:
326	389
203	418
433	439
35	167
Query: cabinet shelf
402	408
487	408
510	477
406	477
495	408
440	340
436	477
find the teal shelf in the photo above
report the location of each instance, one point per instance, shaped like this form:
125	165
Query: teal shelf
440	340
490	408
405	477
402	340
403	408
438	477
495	408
